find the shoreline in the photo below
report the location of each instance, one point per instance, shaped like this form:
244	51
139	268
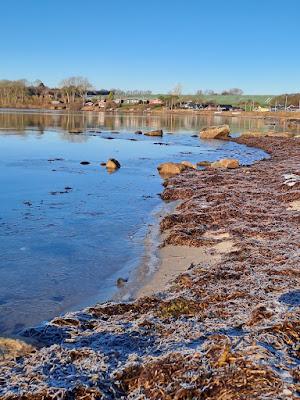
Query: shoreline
161	263
175	260
281	116
150	260
227	326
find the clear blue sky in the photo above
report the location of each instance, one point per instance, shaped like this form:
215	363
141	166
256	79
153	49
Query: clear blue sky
137	44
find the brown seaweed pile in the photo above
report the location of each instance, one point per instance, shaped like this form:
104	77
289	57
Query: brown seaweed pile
228	330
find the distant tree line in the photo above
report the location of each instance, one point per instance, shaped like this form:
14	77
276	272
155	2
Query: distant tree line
287	100
209	92
21	92
131	93
12	92
72	90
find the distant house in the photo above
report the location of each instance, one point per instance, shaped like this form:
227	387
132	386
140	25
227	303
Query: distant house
92	94
210	106
261	109
156	102
225	107
56	102
293	108
102	103
190	105
132	101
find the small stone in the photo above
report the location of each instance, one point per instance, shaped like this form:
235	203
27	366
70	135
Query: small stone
157	132
113	164
203	163
228	163
121	282
188	164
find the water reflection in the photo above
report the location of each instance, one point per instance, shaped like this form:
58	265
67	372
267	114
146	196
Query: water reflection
47	120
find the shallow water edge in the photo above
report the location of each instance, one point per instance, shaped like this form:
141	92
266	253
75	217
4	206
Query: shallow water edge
70	231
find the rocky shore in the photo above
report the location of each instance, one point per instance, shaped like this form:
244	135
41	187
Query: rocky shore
226	328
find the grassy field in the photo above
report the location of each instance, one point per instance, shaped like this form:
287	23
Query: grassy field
263	100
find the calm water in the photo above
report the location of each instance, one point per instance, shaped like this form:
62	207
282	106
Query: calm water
68	231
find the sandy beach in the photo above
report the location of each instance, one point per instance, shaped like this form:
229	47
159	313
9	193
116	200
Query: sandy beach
174	260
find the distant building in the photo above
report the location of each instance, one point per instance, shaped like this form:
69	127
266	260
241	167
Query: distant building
261	109
210	106
135	101
293	108
190	105
156	102
225	107
102	103
132	101
92	94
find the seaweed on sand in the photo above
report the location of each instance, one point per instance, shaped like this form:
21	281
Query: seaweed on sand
228	329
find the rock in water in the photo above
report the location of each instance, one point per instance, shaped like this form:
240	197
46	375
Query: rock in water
204	163
76	130
229	163
113	164
215	132
168	169
188	164
158	132
121	282
138	132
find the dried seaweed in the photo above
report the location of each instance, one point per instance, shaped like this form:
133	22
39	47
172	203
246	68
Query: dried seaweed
228	329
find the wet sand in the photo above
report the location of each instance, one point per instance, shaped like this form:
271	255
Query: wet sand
174	260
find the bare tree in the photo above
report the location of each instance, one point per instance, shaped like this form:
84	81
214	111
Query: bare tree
37	82
13	92
177	90
75	86
235	91
210	92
